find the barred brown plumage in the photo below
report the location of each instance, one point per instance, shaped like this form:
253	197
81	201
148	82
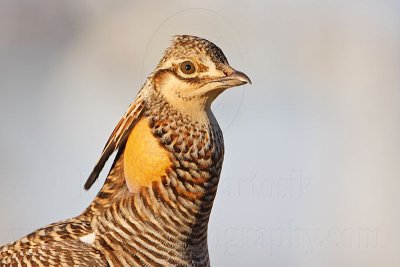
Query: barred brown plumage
154	206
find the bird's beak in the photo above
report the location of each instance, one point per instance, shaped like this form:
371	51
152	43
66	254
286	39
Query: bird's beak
239	78
233	78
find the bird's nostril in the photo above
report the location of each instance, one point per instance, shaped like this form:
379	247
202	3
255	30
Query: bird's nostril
227	70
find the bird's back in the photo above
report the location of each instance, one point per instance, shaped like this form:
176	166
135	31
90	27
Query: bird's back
58	244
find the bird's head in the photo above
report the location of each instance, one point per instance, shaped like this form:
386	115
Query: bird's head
193	72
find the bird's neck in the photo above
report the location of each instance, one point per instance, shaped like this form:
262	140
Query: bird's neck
167	172
173	209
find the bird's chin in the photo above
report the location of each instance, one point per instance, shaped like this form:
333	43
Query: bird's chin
210	89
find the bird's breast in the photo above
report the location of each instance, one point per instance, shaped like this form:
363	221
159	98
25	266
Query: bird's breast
145	160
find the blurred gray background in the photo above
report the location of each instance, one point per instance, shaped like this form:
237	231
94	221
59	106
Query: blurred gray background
311	174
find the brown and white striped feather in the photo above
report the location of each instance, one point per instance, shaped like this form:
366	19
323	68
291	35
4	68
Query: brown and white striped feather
58	244
119	135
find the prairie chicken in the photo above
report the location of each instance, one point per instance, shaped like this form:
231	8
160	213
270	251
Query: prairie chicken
154	207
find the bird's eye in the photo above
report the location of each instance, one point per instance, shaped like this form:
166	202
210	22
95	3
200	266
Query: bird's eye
187	67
